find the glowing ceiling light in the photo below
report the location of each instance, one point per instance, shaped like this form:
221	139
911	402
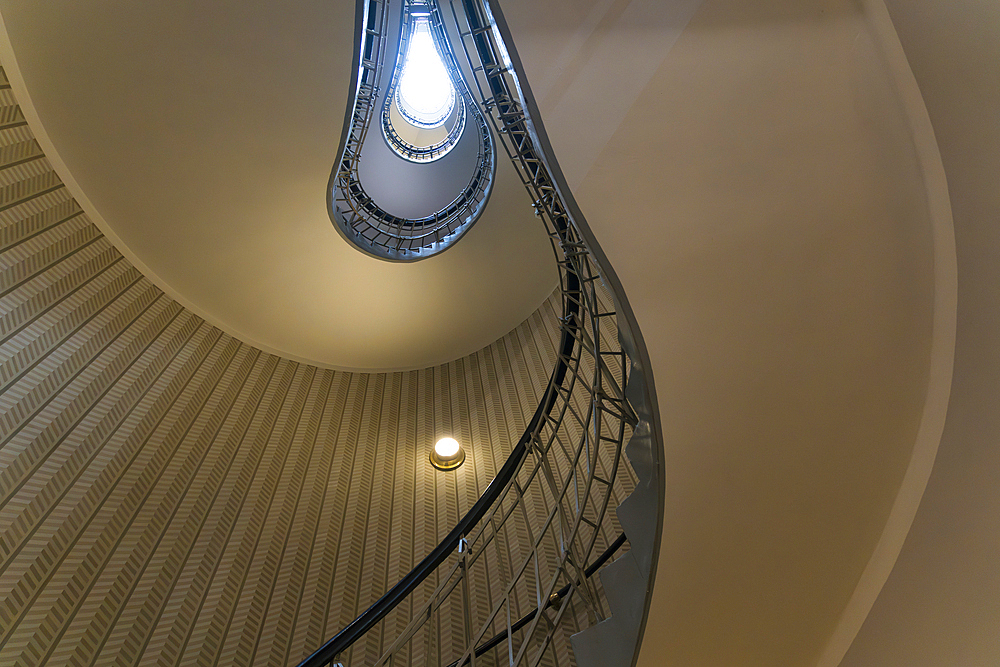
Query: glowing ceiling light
447	454
446	447
426	95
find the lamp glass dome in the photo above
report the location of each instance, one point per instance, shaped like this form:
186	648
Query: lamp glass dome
447	454
446	448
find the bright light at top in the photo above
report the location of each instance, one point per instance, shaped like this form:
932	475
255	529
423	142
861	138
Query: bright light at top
446	447
426	94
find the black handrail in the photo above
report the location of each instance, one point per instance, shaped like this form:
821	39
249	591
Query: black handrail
498	638
570	323
385	604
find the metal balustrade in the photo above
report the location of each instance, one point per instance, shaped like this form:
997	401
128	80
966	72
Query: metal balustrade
355	214
425	153
469	602
431	152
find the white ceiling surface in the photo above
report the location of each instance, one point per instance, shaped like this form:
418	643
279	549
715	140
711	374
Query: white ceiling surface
759	190
201	137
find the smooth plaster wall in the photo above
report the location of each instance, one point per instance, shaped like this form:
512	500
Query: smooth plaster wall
941	604
173	496
785	284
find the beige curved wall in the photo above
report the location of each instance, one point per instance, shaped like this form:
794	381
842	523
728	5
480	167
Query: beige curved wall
941	604
171	495
788	287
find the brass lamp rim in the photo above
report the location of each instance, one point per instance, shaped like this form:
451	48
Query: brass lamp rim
450	463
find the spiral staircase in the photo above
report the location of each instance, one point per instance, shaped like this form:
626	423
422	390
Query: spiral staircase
180	486
597	406
548	520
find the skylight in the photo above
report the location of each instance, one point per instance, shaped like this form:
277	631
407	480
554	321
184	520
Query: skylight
426	95
424	114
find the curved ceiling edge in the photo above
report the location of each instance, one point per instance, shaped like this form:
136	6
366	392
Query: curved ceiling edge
524	308
943	337
9	60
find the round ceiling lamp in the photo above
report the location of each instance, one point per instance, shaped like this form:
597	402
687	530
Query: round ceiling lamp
447	454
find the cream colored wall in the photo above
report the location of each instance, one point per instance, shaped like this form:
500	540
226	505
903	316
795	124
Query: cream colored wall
762	202
173	496
941	604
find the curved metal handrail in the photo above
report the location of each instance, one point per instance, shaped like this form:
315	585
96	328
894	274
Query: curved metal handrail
425	153
402	147
346	637
500	637
584	410
349	634
354	213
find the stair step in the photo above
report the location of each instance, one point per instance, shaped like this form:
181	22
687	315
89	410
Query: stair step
613	641
638	516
